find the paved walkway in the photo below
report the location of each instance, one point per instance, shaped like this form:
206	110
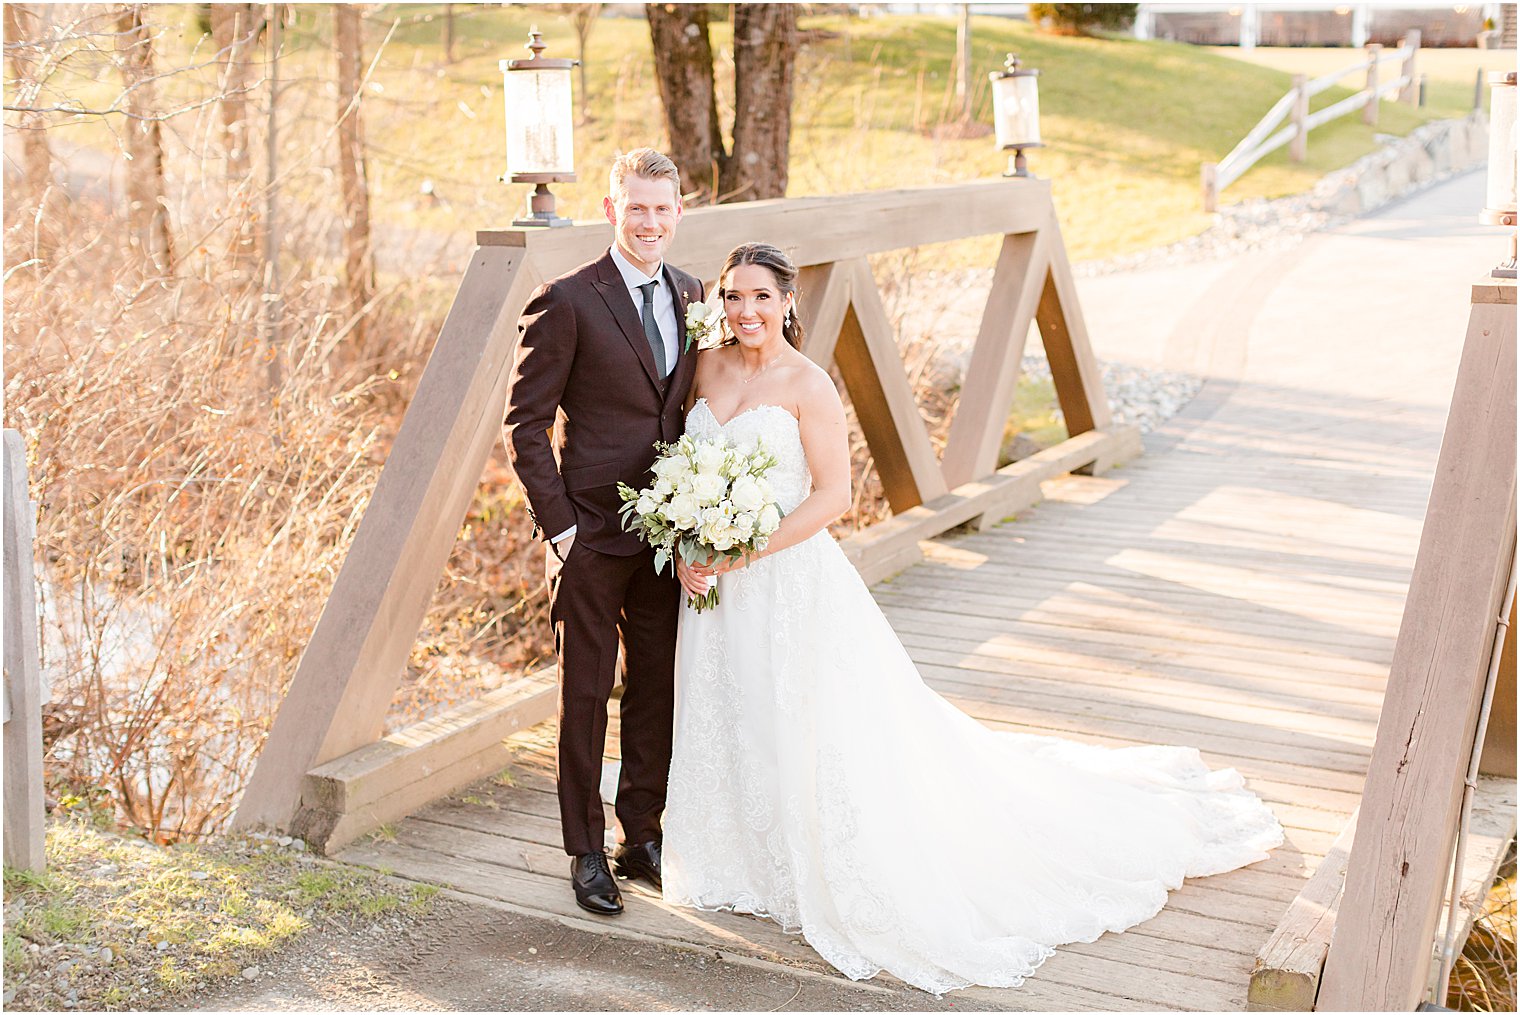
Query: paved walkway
1238	589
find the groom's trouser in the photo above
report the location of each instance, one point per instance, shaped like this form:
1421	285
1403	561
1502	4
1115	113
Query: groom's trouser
596	602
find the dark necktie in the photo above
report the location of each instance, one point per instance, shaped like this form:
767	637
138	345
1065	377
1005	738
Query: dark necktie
651	329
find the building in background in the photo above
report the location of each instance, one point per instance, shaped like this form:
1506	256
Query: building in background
1325	24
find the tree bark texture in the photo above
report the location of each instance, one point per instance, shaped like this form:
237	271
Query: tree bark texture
765	55
684	66
147	208
234	31
359	268
23	27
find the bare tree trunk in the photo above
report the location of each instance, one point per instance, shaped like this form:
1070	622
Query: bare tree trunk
359	273
684	66
963	62
23	26
147	208
273	347
583	17
765	54
234	30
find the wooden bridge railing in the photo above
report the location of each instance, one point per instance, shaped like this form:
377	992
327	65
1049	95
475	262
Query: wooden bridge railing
1262	141
325	771
1362	936
23	696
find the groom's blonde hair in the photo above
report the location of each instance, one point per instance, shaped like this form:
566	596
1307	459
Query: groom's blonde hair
645	162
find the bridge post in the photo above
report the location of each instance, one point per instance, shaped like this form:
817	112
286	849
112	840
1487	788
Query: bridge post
348	674
25	819
1379	957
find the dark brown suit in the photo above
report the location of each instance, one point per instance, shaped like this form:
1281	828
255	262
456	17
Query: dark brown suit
582	358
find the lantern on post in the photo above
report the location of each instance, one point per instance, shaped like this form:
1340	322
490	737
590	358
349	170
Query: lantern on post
1016	112
1499	201
540	128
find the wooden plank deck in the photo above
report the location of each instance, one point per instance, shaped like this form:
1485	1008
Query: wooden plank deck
1210	595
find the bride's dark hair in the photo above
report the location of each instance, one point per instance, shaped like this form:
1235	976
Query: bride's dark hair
785	274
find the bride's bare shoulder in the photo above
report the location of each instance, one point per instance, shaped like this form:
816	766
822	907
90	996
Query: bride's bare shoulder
813	386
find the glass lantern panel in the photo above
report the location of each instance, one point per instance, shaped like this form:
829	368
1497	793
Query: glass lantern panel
540	131
1017	105
1501	150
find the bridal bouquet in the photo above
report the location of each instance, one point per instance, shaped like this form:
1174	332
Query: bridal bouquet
709	498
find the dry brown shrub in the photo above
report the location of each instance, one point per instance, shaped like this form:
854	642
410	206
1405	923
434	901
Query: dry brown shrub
194	506
192	517
1483	978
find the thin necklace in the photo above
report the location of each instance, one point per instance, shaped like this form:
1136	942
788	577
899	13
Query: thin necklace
763	369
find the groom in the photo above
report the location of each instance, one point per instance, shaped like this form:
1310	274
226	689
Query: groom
601	354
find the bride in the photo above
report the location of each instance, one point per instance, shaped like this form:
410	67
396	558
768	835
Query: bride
817	781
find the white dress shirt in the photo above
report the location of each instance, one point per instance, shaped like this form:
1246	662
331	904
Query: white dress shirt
664	318
664	302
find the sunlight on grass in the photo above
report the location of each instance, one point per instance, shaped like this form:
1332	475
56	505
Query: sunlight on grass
1126	123
212	908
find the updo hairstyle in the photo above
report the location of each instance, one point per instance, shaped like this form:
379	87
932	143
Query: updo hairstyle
781	269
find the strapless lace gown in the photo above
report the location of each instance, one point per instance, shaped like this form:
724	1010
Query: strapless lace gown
817	781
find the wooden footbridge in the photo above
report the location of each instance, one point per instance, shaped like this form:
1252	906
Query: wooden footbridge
1241	588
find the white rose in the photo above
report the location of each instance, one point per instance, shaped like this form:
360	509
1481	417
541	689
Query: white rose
746	495
711	529
664	487
709	459
744	522
670	468
708	488
769	519
647	505
685	483
682	511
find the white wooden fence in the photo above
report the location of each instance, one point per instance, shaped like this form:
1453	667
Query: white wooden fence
22	702
1266	138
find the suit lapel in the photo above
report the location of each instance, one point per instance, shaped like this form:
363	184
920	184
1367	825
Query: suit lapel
681	287
614	293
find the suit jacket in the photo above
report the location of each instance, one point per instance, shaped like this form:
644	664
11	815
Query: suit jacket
583	360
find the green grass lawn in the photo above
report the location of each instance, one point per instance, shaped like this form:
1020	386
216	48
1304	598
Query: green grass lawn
1126	123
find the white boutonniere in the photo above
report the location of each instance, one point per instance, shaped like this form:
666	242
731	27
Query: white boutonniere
704	325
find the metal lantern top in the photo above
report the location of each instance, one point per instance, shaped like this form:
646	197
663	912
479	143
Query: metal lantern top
540	116
1016	105
536	45
1499	203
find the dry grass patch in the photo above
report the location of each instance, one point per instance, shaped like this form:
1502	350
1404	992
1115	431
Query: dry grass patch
118	923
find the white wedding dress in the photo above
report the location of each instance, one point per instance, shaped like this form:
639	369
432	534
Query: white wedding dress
817	781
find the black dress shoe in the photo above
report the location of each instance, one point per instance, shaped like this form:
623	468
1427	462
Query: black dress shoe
596	889
639	860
